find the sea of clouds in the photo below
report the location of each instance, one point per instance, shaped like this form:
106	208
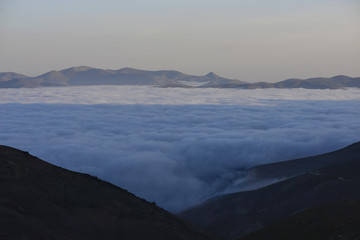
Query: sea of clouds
175	146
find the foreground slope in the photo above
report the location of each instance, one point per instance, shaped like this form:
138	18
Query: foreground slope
237	214
338	219
41	201
265	174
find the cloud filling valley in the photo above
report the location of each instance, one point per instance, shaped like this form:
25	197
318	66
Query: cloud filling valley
175	146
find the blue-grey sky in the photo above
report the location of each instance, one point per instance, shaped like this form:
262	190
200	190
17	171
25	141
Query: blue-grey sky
263	40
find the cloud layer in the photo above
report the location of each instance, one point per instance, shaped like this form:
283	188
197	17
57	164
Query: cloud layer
170	96
176	155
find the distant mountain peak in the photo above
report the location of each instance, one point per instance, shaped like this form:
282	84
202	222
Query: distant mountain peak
80	68
53	73
5	76
129	70
211	75
341	77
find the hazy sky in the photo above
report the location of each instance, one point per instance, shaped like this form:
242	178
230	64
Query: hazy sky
263	40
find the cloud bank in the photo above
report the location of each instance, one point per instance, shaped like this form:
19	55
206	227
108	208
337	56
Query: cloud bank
170	96
176	155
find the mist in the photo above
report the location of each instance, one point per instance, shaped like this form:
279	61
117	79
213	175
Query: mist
175	146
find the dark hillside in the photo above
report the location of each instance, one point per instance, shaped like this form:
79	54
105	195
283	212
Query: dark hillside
237	214
41	201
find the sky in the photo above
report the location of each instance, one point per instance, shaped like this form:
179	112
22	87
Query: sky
264	40
176	146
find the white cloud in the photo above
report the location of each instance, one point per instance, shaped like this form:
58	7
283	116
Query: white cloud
169	96
191	147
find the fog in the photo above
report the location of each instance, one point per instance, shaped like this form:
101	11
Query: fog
175	146
168	96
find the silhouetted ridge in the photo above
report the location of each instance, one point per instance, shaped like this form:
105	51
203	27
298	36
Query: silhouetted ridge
234	215
41	201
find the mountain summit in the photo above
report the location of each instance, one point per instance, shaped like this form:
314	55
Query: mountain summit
211	75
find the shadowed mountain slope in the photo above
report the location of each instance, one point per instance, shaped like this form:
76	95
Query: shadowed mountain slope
339	219
41	201
266	174
234	215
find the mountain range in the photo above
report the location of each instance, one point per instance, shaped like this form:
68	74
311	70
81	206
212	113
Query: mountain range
87	76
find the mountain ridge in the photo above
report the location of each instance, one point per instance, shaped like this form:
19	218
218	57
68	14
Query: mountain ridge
39	200
266	174
237	214
88	76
